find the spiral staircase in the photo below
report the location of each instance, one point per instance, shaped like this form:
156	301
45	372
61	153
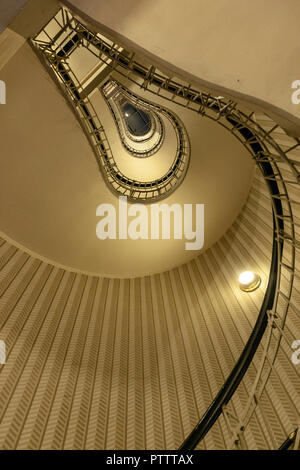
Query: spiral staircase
165	388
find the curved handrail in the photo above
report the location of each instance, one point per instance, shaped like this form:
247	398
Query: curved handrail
269	157
240	368
289	440
118	182
157	124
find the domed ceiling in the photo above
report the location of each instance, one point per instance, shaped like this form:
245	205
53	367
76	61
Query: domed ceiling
53	180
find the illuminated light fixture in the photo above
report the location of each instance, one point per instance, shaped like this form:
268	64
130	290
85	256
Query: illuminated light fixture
249	281
126	114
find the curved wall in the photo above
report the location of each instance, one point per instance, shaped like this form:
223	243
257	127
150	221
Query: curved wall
131	364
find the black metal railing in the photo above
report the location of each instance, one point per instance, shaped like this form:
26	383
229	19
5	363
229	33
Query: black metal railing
280	169
289	442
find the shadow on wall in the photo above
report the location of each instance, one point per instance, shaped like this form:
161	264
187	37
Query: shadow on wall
30	19
125	10
8	10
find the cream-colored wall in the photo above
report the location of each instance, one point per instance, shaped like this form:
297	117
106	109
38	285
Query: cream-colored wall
133	364
21	20
8	10
34	15
10	43
246	50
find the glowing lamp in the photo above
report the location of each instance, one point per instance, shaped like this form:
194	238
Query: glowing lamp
249	281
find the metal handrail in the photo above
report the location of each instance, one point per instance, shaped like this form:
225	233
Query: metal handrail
157	124
286	445
117	182
273	162
240	368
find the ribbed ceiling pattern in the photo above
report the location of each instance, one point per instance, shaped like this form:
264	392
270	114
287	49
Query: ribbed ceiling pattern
132	364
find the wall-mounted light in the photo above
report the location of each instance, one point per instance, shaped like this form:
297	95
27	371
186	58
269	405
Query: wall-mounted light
249	281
